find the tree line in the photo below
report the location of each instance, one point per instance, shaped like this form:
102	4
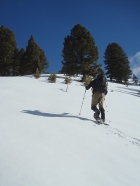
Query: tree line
14	62
80	56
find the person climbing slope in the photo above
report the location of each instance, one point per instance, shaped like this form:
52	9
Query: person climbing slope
99	90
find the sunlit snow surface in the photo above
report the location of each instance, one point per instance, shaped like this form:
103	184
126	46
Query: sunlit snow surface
45	142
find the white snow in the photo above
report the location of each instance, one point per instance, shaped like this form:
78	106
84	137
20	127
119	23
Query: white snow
45	142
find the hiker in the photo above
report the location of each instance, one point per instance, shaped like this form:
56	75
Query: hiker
99	90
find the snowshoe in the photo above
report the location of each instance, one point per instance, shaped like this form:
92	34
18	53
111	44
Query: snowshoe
100	121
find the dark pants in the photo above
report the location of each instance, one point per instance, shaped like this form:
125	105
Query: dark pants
98	100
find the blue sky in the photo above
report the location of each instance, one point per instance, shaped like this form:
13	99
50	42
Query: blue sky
50	21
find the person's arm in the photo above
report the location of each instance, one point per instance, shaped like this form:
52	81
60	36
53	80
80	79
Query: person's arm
89	86
106	88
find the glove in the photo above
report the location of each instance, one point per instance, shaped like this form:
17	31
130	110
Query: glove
106	92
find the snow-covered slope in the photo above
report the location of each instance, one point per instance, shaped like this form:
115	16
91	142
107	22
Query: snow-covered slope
45	142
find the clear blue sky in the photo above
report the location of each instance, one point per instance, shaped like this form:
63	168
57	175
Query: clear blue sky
50	21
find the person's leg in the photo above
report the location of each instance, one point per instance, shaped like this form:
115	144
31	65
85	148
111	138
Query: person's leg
101	106
95	101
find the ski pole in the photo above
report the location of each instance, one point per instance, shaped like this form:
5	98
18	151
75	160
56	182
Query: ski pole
82	102
108	112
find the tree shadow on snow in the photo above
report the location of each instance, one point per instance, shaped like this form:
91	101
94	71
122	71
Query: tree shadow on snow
46	114
133	92
130	89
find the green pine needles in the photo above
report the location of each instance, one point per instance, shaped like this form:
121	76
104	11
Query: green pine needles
15	62
67	80
116	63
37	74
80	53
87	80
52	78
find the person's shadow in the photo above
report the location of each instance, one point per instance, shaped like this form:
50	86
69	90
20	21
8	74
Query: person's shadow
46	114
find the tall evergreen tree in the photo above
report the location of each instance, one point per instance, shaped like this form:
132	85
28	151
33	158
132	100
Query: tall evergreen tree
31	56
80	54
135	79
44	64
15	64
34	58
116	63
21	58
8	47
18	65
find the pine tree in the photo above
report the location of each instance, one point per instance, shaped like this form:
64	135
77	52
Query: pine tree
8	46
34	58
135	79
80	54
44	64
18	62
116	63
15	64
22	62
31	56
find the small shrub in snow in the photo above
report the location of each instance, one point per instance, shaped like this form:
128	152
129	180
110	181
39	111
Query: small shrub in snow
37	74
87	80
67	80
52	78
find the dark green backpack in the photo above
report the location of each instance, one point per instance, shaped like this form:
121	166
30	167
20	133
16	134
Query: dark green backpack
101	83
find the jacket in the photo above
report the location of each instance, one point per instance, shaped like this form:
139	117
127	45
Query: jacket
95	88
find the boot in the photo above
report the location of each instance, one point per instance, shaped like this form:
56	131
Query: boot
97	112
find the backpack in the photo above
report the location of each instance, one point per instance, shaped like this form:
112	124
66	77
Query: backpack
100	83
